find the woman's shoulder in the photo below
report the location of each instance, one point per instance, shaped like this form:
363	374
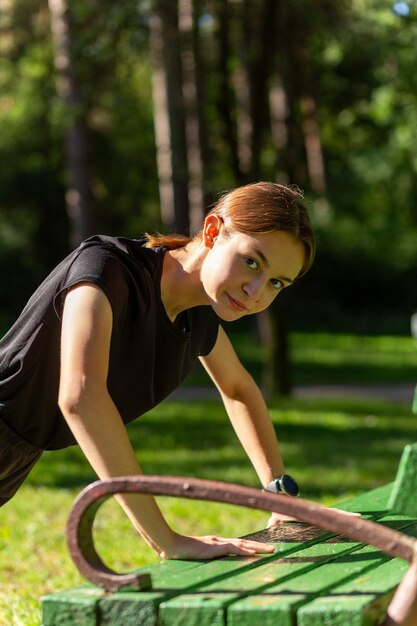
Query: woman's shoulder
130	253
121	267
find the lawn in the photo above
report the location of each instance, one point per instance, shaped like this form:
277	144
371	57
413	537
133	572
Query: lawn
335	448
337	358
332	358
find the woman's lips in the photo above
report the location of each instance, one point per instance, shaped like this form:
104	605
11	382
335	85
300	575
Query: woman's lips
236	304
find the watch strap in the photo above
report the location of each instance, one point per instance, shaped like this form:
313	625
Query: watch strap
284	484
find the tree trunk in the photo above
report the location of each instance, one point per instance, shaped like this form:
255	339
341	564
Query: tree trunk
313	147
290	70
79	200
279	134
258	49
259	42
192	113
200	74
273	331
168	83
226	101
161	122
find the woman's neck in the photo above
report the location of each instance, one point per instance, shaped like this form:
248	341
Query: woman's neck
181	286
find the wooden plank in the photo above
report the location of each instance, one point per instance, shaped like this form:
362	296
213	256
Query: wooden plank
176	578
373	502
288	581
172	578
403	498
169	578
213	600
73	607
351	604
281	602
365	596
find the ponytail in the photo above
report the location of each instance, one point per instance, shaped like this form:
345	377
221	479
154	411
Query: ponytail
170	242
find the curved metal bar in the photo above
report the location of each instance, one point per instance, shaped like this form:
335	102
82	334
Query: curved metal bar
80	523
402	610
81	543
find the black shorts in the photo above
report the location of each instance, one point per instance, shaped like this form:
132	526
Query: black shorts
17	457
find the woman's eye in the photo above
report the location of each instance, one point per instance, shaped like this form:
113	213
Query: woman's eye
251	263
277	284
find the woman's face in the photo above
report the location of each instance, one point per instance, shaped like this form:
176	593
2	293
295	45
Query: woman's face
242	274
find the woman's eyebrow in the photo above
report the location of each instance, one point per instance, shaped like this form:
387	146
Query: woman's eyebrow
267	264
263	257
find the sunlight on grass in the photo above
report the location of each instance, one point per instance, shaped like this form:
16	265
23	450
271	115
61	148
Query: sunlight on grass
325	358
33	555
400	352
335	447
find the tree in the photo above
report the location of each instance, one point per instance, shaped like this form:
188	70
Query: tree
79	199
322	95
170	115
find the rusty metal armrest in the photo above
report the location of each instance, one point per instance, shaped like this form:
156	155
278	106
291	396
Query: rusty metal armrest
401	612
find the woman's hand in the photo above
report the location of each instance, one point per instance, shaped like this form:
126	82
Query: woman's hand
277	518
211	547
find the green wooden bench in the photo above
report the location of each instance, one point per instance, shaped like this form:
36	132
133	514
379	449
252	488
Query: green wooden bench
314	578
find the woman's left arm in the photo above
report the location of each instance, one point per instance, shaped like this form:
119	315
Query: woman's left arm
246	409
248	413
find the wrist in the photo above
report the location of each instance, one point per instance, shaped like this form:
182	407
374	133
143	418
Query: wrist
170	547
283	484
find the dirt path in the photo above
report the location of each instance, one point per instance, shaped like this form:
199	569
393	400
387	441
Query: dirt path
402	392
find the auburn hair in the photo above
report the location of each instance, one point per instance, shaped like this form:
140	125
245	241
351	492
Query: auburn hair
257	208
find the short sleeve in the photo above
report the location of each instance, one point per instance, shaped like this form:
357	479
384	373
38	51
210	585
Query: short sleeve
205	326
211	339
101	267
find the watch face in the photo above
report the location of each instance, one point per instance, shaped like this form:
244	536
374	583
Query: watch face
289	486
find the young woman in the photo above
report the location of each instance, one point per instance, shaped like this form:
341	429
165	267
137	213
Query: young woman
118	325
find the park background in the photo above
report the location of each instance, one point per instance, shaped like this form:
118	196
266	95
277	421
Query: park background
120	118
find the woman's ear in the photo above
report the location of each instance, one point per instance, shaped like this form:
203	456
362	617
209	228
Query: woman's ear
212	226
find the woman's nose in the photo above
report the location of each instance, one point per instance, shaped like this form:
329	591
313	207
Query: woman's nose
253	289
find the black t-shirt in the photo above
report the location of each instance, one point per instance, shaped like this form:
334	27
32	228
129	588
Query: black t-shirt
149	355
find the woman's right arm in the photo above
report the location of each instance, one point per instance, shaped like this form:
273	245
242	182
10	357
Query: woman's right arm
100	432
91	413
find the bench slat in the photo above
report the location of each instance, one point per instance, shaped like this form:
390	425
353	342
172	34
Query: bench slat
114	608
280	602
177	584
310	567
365	595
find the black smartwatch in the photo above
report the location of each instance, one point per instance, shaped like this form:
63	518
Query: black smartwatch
283	484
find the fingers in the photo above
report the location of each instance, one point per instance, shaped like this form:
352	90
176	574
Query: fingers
210	547
278	518
241	546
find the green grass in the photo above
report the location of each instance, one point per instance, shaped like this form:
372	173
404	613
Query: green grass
336	448
337	358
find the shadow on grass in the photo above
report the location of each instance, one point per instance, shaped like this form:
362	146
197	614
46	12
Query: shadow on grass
333	446
306	373
333	374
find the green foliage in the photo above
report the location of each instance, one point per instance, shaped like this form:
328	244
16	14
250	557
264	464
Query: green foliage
361	72
367	253
33	178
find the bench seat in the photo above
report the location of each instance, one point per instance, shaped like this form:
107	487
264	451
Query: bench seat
314	578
